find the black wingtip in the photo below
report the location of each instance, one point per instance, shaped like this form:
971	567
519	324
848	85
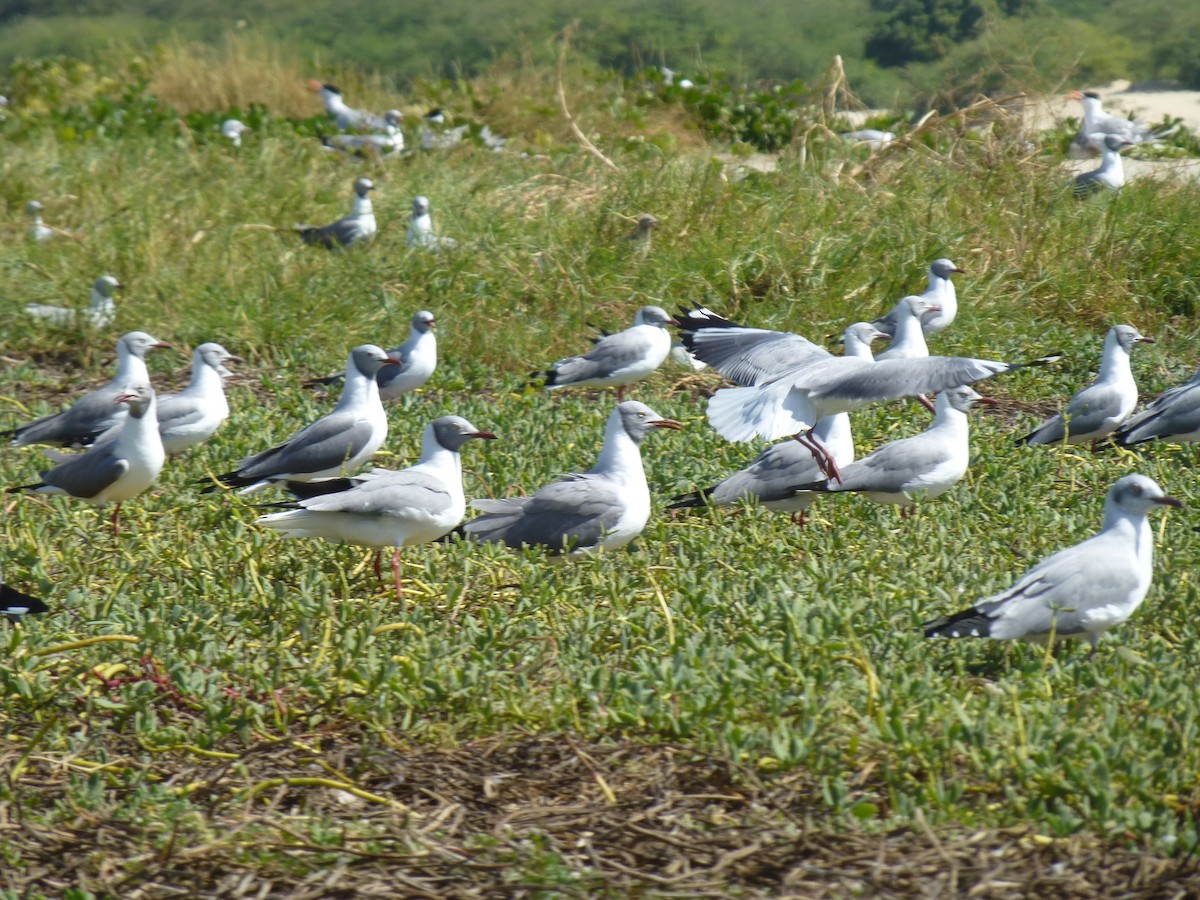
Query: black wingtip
228	481
968	623
692	500
459	533
11	599
304	490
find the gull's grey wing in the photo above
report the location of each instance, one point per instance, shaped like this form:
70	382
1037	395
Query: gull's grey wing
750	356
87	475
773	475
891	468
610	354
176	411
570	514
391	494
855	380
81	423
341	233
1085	413
325	444
1173	414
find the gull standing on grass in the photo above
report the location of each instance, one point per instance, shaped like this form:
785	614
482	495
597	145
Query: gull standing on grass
358	227
1172	416
643	232
101	311
1082	591
606	507
939	294
334	444
420	229
193	415
391	509
416	360
1096	411
772	478
1110	174
232	130
118	468
346	117
93	414
617	359
921	467
38	229
1097	124
908	336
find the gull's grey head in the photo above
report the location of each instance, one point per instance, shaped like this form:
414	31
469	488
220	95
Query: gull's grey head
363	186
963	398
420	205
944	268
917	305
639	420
369	359
862	334
393	117
1137	494
139	396
105	285
454	431
139	343
646	222
653	315
215	356
423	321
33	208
1126	336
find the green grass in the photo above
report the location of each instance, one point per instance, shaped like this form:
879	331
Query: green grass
736	638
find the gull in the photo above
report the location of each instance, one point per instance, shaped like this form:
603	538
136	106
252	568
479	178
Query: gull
420	229
1082	591
1172	416
101	311
194	414
939	294
342	440
1096	411
1097	124
232	129
94	413
432	135
618	359
874	139
346	117
606	507
1110	174
388	142
908	338
38	230
789	382
355	228
118	468
415	360
14	603
921	467
772	477
392	508
643	231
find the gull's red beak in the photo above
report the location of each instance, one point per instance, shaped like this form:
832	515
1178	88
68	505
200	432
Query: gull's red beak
667	423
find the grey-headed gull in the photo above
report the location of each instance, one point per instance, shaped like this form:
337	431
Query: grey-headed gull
1096	411
1110	174
101	311
617	359
1097	124
334	444
115	469
908	338
346	117
1080	592
921	467
358	227
388	142
392	509
194	414
94	413
1174	415
772	478
643	232
233	129
416	360
420	229
14	604
38	229
606	507
941	296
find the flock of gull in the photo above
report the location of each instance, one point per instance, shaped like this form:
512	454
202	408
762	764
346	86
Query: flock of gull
783	386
